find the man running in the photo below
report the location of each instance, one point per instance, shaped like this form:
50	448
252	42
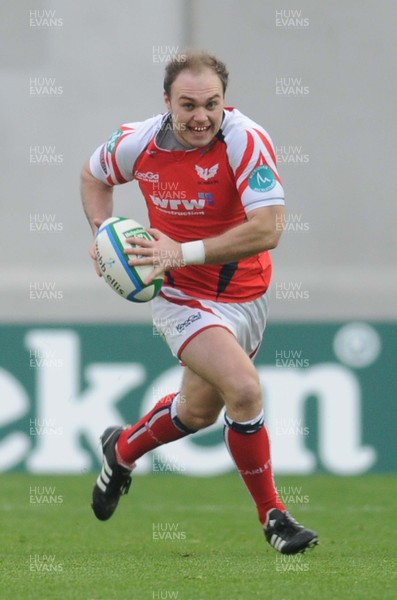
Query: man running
215	202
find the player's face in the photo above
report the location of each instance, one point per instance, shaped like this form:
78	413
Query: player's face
196	104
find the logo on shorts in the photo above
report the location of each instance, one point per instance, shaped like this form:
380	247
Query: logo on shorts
181	326
114	138
262	179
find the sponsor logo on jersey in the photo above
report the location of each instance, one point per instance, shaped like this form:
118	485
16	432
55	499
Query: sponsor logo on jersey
148	176
262	179
207	173
112	141
184	204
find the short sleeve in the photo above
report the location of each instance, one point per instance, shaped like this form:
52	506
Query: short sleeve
252	158
113	162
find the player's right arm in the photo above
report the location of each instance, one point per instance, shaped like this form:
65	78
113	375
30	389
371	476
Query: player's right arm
111	164
108	166
97	199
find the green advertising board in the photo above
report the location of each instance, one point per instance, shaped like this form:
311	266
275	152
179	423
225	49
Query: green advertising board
329	397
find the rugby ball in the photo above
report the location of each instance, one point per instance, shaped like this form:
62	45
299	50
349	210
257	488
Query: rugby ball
126	280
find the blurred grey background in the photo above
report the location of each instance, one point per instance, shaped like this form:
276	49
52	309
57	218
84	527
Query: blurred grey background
319	76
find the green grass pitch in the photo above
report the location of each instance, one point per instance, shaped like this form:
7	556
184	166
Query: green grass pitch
183	538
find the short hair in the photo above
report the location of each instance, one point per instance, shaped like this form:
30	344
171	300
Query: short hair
194	61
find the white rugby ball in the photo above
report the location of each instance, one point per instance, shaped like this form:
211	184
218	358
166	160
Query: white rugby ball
126	280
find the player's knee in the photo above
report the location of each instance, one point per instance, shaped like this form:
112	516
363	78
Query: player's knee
199	420
244	394
204	421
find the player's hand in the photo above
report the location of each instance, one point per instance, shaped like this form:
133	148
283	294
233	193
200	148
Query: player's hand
93	256
162	252
97	224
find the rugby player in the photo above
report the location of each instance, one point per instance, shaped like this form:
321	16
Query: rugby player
215	202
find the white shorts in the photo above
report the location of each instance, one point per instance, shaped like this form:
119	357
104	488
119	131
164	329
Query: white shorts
179	318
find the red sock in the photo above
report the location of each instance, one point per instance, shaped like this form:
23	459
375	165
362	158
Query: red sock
157	427
248	444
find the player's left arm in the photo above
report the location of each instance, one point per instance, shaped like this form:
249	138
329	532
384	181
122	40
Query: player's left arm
260	232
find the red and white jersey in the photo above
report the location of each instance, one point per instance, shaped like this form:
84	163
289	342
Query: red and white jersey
199	193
